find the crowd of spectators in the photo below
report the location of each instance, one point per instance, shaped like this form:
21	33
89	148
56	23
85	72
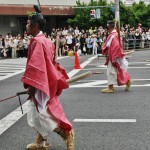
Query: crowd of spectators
72	39
135	38
14	46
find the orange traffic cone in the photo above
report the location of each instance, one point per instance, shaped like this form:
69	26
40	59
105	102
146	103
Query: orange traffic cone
77	63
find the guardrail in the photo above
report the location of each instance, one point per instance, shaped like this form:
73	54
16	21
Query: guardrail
136	44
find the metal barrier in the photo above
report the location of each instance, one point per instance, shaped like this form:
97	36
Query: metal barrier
136	44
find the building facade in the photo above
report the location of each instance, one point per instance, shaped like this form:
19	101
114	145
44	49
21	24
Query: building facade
13	13
130	2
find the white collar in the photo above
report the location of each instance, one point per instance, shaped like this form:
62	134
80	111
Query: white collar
39	33
113	31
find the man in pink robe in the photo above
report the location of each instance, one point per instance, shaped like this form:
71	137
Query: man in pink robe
115	61
45	82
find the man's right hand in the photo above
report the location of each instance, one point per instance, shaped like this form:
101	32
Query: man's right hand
30	91
114	63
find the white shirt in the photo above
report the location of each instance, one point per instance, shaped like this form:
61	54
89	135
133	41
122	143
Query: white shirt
69	39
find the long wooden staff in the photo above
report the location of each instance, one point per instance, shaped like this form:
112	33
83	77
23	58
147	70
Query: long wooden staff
118	31
57	47
82	76
128	52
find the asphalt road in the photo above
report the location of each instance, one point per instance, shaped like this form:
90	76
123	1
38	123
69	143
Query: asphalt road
83	100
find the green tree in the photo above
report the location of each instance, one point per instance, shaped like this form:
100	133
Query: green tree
137	13
124	14
82	18
141	12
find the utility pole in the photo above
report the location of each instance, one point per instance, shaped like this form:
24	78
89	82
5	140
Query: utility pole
117	14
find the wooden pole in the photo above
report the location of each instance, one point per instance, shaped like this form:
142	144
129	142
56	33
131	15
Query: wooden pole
81	76
57	46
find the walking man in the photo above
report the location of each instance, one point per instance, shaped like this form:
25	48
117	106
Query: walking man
115	61
44	84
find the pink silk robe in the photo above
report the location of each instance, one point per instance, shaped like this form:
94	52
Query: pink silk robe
42	74
113	50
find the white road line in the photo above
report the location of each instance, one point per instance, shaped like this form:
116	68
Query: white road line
103	83
12	74
138	67
8	71
4	73
104	68
11	67
101	67
90	84
103	86
104	120
10	64
140	79
106	80
11	118
130	63
143	62
14	65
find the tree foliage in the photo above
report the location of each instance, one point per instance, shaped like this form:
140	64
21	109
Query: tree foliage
141	13
82	15
137	13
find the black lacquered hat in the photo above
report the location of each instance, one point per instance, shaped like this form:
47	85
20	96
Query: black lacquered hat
111	22
37	15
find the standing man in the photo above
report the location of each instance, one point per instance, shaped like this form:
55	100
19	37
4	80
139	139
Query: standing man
115	61
44	84
89	44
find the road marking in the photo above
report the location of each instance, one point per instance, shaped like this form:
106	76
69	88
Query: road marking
138	67
12	69
83	81
103	86
140	79
9	67
103	83
9	70
138	62
99	67
11	118
12	74
105	120
90	84
102	66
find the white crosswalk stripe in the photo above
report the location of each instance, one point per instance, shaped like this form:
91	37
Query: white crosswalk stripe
9	69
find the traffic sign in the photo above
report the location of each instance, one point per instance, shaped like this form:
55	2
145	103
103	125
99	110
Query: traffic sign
98	13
